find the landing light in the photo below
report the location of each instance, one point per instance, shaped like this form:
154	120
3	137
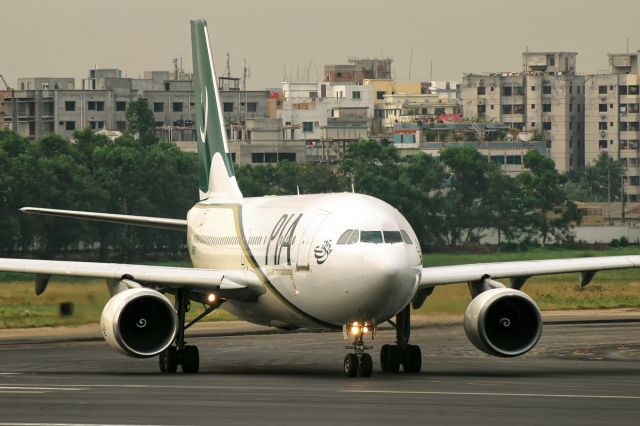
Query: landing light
357	328
211	298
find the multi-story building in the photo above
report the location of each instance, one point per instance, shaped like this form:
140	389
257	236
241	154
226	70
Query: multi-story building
53	105
545	99
450	90
612	118
358	70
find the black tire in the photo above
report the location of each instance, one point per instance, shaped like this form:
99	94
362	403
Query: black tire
351	365
366	366
190	360
412	359
395	358
168	360
384	357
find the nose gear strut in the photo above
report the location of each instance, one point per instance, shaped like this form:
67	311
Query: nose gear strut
360	362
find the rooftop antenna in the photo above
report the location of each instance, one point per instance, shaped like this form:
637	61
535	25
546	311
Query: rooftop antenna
410	63
627	45
431	70
227	70
246	73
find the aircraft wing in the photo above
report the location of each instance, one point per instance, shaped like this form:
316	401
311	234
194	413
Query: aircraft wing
519	271
199	280
150	222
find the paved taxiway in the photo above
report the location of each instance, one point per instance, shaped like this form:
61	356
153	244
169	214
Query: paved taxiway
580	373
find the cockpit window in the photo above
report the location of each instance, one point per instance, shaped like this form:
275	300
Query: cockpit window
354	237
374	237
391	237
405	236
345	236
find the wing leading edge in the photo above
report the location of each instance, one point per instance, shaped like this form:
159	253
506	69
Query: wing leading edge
165	276
519	271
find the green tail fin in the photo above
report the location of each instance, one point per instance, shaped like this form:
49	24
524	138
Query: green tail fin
216	176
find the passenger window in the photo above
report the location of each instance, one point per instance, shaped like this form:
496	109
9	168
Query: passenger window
392	237
345	236
374	237
405	236
354	237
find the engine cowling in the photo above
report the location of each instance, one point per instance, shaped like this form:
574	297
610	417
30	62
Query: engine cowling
503	322
139	322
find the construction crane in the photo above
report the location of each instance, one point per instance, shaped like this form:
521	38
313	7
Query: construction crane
6	86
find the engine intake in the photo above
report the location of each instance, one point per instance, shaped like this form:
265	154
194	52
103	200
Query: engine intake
503	322
139	322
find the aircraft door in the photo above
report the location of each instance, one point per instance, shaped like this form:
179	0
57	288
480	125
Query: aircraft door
305	246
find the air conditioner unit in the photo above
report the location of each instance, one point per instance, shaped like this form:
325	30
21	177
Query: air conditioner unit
603	133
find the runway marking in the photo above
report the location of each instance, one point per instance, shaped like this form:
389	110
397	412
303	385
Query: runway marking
70	424
38	388
528	395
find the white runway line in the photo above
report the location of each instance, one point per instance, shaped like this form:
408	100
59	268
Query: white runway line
501	394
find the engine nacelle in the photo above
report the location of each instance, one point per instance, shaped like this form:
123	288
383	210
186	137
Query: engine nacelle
139	322
503	322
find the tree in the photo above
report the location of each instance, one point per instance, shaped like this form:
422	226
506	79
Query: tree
544	186
467	170
140	120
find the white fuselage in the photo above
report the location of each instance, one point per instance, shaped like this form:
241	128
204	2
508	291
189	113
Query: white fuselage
292	244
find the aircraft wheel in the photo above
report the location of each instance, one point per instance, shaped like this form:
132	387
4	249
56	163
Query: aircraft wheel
412	362
395	358
366	366
168	360
190	359
351	365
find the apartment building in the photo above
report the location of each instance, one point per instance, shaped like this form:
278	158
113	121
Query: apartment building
358	70
54	105
545	99
612	118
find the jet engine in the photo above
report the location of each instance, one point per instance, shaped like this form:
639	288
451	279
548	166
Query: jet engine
139	322
503	322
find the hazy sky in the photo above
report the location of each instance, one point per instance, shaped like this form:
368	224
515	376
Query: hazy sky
67	37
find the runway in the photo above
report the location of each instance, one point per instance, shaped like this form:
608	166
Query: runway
580	373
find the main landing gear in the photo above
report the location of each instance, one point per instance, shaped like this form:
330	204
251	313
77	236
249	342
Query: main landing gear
359	362
187	356
402	353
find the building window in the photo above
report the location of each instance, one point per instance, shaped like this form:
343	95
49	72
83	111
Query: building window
307	126
227	107
507	109
121	126
69	125
69	105
546	89
287	156
633	90
533	106
498	159
533	124
481	90
514	159
518	109
602	107
546	107
602	90
252	107
482	109
533	88
546	125
622	90
506	91
158	107
91	105
355	95
176	106
121	106
602	125
380	95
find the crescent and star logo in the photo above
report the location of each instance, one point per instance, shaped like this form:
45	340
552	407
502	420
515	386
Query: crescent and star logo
322	252
205	108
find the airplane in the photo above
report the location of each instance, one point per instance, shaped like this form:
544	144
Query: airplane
320	261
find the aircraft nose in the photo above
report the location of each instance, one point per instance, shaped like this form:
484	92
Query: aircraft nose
391	281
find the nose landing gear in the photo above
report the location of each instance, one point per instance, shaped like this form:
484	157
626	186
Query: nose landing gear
360	362
402	353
